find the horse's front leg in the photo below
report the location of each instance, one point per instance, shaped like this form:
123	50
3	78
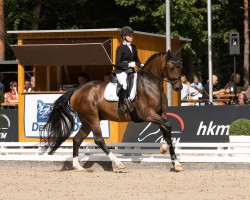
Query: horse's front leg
77	140
166	128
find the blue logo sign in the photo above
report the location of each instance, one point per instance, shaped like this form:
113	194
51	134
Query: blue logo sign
43	111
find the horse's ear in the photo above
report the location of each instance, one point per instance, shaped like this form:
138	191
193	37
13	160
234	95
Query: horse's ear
169	55
178	53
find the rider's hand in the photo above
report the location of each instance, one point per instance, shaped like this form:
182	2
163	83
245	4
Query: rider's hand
131	64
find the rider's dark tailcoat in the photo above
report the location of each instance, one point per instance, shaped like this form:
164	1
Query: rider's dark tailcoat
125	56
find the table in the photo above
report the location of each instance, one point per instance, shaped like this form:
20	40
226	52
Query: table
227	101
9	104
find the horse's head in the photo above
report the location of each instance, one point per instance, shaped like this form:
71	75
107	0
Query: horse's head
173	70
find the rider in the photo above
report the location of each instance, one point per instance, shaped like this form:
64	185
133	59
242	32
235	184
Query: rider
126	59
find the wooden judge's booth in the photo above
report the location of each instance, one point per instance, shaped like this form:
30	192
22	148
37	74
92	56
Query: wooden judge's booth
58	56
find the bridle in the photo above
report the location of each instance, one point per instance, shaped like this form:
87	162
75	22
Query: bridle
166	67
176	64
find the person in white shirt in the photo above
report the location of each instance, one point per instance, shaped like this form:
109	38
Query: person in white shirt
196	84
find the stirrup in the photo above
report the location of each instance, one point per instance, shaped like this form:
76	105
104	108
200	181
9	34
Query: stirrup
130	108
121	110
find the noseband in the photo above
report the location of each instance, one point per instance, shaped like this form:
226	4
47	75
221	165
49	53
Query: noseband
176	63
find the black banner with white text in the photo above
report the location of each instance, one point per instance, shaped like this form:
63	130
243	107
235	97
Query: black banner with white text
190	124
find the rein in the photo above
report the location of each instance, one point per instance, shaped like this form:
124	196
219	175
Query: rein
160	78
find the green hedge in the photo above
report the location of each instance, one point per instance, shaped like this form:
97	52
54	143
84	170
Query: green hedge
240	127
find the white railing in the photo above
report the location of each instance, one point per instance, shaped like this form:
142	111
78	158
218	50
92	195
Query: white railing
130	152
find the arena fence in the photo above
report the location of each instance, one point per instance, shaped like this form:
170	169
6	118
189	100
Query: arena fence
129	152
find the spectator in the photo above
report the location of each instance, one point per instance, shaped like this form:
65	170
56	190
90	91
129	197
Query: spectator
2	88
247	92
196	84
233	84
183	79
83	78
107	77
187	92
216	90
242	99
27	85
12	95
33	84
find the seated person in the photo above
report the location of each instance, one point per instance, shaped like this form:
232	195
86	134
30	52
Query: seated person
196	84
2	88
188	92
27	86
248	94
216	91
242	99
83	78
233	84
12	95
107	77
32	84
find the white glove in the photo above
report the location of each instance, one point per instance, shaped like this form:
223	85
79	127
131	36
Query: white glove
131	64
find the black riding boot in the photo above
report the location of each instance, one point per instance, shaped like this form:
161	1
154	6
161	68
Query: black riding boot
121	109
127	102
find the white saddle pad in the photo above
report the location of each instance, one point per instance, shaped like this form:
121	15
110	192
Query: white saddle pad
110	91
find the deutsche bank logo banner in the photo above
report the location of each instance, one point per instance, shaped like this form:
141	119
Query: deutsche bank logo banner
37	108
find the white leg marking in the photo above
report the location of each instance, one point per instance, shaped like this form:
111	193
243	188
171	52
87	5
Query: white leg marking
117	161
177	165
76	164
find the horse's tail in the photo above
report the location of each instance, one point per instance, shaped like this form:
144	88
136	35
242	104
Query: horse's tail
60	124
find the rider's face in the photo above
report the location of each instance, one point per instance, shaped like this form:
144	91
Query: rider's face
129	38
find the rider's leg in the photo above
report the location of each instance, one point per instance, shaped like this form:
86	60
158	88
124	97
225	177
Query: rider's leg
122	79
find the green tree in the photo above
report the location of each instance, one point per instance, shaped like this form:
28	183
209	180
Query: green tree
189	19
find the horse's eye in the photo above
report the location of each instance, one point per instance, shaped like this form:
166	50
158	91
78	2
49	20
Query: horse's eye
170	65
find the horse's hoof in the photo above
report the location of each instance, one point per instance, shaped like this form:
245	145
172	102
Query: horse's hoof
178	168
162	150
78	168
120	165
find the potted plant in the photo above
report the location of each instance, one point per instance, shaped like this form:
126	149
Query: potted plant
239	132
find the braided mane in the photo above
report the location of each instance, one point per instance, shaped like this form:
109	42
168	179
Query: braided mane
153	56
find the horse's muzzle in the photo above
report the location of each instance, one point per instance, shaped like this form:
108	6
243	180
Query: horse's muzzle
177	86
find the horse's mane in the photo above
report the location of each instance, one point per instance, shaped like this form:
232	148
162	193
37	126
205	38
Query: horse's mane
153	56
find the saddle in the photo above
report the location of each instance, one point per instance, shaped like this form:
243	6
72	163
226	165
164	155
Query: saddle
130	83
124	97
111	92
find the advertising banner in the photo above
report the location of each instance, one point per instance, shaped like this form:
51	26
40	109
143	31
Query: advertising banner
190	124
9	125
37	110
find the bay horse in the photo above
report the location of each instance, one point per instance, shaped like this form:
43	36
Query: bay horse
87	101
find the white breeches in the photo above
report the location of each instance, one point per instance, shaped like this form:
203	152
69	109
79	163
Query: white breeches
122	79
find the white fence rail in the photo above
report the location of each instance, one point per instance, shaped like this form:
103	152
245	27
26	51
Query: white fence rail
130	152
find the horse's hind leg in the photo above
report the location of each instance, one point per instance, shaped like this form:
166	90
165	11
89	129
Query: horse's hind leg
77	140
166	131
99	141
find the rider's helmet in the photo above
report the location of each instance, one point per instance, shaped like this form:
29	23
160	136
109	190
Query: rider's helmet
126	30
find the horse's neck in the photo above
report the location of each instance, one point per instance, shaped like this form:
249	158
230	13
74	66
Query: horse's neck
152	77
154	68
